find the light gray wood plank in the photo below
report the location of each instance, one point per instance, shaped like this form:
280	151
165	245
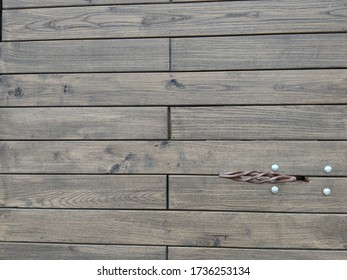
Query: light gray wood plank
200	88
259	122
85	56
36	251
190	253
195	19
260	52
172	157
213	193
7	4
83	123
207	229
55	191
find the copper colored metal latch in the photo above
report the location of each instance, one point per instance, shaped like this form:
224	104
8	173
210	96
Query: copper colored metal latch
258	177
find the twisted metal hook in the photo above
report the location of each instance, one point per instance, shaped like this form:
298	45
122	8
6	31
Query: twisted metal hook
258	177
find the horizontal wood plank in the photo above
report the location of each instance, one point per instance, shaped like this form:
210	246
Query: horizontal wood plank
213	193
228	88
35	251
7	4
259	122
172	157
85	56
83	123
208	229
190	253
260	52
223	18
54	191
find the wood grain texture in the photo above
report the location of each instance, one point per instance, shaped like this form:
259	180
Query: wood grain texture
228	88
213	193
207	229
35	251
85	56
259	122
83	123
7	4
177	157
54	191
190	253
224	18
260	52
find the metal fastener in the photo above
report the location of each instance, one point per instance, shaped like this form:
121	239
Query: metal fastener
275	167
327	191
328	169
274	189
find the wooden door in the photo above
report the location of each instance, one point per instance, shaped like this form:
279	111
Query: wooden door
118	115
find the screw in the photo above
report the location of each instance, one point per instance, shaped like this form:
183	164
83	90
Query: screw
328	169
327	191
274	189
275	167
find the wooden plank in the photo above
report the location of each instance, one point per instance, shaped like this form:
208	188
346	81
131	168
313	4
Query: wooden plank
259	122
35	251
85	56
260	52
8	4
223	18
213	193
54	191
176	157
190	253
207	229
83	123
190	88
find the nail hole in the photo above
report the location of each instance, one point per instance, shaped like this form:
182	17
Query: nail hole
303	179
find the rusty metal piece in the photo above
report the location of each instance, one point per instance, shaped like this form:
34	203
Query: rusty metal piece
258	177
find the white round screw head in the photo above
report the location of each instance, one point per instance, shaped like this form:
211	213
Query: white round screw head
275	167
328	169
274	189
327	191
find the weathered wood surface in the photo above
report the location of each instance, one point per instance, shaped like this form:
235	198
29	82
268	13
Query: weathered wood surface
54	191
190	253
260	52
224	18
190	88
35	251
7	4
85	56
172	157
213	193
259	122
83	123
215	229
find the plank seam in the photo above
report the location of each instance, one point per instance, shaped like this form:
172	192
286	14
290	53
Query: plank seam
173	140
173	105
178	71
173	210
